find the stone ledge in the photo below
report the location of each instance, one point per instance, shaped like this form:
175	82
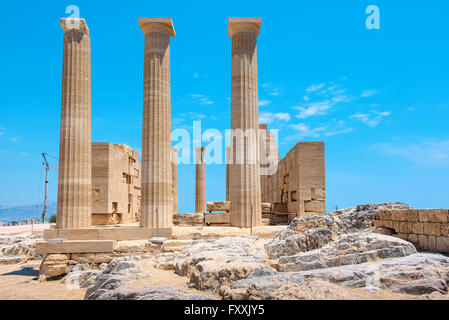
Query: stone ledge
79	246
111	233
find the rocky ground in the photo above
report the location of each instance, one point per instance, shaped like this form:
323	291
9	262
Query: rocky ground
336	256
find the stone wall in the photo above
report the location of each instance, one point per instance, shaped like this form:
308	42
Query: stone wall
298	184
427	229
116	184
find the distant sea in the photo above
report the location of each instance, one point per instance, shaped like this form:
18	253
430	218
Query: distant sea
24	212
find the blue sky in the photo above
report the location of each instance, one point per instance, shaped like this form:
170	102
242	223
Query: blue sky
378	98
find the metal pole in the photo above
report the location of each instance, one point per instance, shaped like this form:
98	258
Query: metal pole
44	213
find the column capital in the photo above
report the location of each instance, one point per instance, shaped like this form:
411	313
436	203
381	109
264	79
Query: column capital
236	25
74	24
174	149
157	24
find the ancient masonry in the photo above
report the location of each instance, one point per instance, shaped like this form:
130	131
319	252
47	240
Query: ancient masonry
298	184
157	196
74	207
115	184
427	229
200	180
228	162
174	175
244	180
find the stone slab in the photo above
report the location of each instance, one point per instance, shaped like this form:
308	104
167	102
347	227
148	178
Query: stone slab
78	246
111	233
217	218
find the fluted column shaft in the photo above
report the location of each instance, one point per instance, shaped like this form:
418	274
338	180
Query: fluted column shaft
157	196
228	162
200	180
174	175
74	207
245	196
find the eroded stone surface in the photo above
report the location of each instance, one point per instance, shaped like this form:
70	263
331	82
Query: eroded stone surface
323	229
210	264
354	248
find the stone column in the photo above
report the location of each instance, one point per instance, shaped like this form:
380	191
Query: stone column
245	194
75	154
157	197
228	162
174	177
200	185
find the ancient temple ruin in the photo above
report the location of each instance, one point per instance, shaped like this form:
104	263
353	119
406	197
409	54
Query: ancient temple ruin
105	184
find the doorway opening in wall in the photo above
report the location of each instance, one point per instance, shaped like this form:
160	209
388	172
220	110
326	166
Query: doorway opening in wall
114	207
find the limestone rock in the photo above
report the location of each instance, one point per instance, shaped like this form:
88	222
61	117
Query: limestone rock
210	264
348	249
18	248
117	272
53	265
152	293
165	261
417	274
175	245
290	241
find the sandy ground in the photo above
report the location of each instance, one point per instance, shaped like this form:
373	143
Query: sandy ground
12	230
19	282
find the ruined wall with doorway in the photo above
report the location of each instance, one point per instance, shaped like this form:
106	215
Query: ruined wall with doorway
116	184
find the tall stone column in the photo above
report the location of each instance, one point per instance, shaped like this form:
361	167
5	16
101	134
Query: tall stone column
200	185
245	194
174	176
157	196
75	154
228	162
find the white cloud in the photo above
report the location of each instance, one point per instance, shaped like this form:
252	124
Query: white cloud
313	109
202	99
368	93
432	152
24	154
263	103
197	75
304	131
315	87
371	119
14	139
268	117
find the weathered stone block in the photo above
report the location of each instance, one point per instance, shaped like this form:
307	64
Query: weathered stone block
412	215
396	225
438	216
92	257
422	242
384	215
413	238
397	215
418	228
423	216
445	229
315	206
432	229
443	244
432	243
405	227
403	236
